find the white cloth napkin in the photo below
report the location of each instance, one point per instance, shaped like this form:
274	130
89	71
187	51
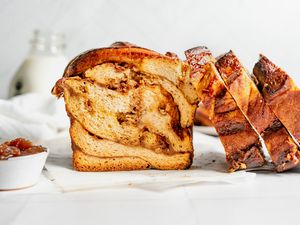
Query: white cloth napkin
32	116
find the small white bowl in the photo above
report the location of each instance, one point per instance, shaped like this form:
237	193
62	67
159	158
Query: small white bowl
22	171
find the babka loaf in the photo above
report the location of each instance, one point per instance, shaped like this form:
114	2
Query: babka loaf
281	147
130	108
241	142
280	93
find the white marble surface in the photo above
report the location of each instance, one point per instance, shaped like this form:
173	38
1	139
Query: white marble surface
248	27
271	199
267	198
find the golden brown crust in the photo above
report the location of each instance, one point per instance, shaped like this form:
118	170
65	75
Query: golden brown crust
87	163
280	93
281	147
241	143
117	53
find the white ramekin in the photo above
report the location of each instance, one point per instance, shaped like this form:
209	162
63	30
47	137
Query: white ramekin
21	172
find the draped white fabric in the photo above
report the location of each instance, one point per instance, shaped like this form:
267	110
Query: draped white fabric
32	116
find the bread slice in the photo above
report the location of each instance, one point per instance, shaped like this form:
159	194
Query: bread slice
280	93
281	147
241	142
130	108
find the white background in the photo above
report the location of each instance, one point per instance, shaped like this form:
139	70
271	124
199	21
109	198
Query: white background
247	27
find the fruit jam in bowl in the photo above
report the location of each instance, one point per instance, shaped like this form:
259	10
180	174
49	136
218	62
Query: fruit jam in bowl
21	163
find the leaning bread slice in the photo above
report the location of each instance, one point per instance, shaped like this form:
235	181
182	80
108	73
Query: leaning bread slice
241	142
131	108
280	93
281	147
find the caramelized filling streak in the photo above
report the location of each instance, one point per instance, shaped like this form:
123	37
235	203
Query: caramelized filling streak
133	81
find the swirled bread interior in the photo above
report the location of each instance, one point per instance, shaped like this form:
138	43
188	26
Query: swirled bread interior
127	111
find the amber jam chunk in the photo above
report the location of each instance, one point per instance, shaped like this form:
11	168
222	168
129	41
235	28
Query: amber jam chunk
19	147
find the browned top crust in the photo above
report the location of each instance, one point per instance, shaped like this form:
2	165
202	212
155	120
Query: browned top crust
120	52
94	57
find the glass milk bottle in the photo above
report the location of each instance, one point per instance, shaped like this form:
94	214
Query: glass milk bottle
42	67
